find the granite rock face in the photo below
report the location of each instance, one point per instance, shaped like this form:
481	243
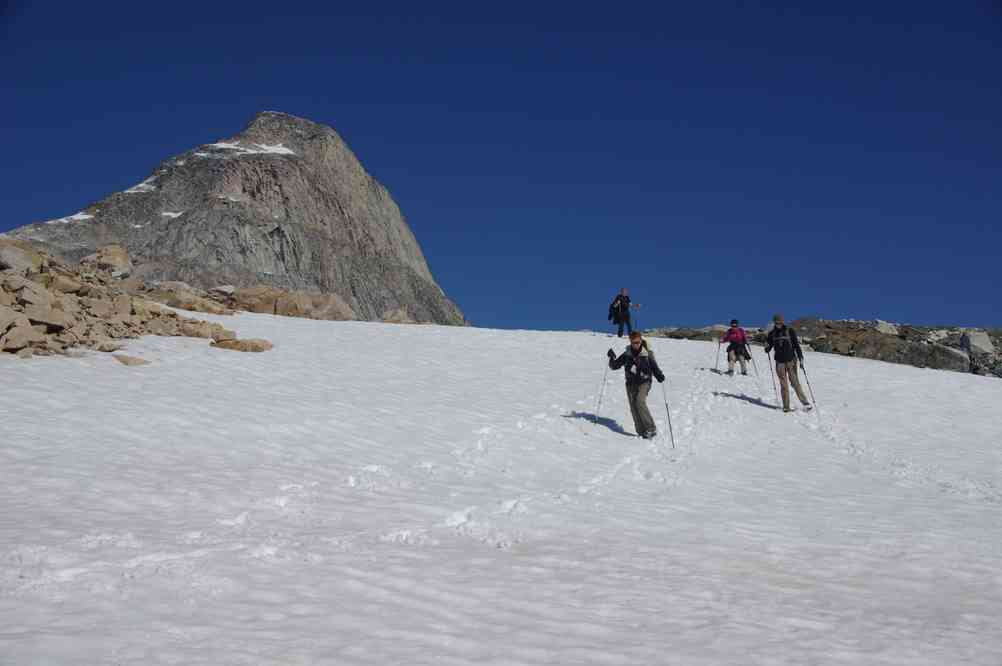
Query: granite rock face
284	203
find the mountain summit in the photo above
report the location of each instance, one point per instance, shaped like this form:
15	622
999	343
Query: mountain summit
283	203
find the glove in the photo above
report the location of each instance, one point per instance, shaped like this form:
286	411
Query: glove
660	378
611	354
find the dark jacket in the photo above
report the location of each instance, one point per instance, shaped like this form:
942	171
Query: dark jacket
640	367
619	309
786	344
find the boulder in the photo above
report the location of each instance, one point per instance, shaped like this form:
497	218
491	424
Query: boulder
220	334
249	345
10	318
97	307
195	329
885	328
19	337
27	292
146	309
976	341
130	360
53	319
108	346
185	297
260	298
20	257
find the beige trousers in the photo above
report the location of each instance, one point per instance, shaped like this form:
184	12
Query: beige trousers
735	356
787	373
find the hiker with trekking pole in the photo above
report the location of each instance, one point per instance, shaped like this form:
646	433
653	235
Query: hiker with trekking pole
784	340
640	366
737	349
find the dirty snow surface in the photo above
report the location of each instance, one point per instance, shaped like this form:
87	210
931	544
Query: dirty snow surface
378	494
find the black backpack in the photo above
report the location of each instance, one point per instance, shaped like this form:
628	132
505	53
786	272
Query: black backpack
782	340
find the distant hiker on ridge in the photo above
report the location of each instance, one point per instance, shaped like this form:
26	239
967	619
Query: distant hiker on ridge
619	312
737	350
640	366
787	345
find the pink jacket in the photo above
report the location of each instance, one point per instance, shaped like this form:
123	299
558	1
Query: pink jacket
736	335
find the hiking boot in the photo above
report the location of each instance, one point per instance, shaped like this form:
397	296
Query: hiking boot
787	409
729	373
745	374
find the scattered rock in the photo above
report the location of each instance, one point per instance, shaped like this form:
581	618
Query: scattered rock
249	345
59	308
130	360
886	328
108	346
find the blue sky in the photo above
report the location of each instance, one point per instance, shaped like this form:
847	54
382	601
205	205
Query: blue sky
719	159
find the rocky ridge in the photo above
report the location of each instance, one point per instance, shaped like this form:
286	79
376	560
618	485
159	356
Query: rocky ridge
283	205
48	306
954	348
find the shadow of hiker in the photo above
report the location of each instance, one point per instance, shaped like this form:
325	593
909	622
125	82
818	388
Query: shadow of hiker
611	424
747	398
713	370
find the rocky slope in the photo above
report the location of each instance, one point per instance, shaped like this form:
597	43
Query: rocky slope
50	307
946	348
285	204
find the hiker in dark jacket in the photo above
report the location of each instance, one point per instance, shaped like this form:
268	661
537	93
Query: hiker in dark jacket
640	365
784	340
737	350
619	312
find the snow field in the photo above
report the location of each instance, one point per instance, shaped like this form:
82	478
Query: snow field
374	494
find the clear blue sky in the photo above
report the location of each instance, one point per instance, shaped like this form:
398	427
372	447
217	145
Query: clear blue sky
719	159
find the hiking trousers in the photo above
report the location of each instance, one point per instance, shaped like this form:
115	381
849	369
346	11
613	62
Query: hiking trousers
636	394
627	324
787	373
737	356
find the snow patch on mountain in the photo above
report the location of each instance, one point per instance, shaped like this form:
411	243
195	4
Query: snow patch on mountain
76	217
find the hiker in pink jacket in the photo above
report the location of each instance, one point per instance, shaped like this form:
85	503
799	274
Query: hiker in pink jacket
737	350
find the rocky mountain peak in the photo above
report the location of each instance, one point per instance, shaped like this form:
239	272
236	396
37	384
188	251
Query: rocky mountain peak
283	203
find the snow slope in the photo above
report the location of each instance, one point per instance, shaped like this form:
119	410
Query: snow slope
380	494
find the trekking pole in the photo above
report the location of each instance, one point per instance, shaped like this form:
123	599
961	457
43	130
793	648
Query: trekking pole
668	412
773	375
809	387
716	366
598	406
753	363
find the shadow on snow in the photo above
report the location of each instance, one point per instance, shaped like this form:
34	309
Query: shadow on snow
747	398
611	424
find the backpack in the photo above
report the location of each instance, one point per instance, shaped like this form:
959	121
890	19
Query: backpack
782	340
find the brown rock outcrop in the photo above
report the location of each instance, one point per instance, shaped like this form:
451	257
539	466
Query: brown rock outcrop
48	307
249	345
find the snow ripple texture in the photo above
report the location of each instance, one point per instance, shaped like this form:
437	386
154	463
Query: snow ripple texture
379	494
